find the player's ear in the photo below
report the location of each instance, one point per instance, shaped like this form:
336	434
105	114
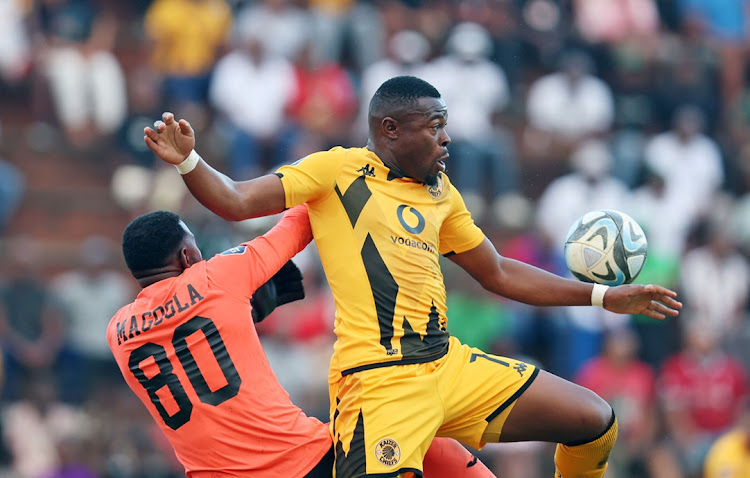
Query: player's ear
189	256
389	127
185	258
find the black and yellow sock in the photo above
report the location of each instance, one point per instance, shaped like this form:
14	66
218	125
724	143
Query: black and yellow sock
586	460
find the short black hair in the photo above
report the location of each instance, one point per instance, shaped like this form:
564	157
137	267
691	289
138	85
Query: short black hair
398	93
151	239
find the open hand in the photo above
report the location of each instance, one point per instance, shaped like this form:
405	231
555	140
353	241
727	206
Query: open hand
651	300
170	140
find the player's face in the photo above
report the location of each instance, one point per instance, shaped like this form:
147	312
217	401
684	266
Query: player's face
423	142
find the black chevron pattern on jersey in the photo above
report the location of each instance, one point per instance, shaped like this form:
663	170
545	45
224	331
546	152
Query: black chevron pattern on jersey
355	198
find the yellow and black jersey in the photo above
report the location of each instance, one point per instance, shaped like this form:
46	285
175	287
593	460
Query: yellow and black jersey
379	236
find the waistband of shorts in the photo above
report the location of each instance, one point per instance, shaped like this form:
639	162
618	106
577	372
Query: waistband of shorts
404	361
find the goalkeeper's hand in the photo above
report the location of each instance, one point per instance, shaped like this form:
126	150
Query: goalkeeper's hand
284	287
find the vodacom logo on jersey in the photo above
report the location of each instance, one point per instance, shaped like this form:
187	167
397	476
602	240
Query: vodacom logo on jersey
413	222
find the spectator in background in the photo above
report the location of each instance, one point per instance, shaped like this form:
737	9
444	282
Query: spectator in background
686	73
90	295
702	391
31	324
715	280
279	25
86	81
589	186
724	25
15	44
571	104
627	384
185	50
344	27
616	21
325	100
143	104
251	89
729	457
688	160
407	54
666	226
477	90
36	424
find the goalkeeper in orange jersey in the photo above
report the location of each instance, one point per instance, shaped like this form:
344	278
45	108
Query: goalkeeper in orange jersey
188	349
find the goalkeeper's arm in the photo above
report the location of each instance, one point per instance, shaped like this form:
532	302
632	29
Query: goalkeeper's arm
284	287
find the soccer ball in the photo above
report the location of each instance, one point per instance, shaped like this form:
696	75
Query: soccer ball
607	247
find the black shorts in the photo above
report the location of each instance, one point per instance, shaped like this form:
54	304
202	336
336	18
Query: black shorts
324	468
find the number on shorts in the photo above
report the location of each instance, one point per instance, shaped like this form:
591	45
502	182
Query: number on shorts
487	357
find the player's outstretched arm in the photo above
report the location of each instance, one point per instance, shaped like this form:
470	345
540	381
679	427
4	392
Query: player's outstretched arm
531	285
174	142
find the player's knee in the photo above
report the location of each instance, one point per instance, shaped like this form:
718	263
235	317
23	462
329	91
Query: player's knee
597	416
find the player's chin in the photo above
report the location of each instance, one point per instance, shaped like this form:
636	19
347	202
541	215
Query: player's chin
431	179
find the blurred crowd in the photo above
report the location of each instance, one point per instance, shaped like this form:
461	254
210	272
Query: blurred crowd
556	107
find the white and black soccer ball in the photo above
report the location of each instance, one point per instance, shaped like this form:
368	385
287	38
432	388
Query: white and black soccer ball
607	247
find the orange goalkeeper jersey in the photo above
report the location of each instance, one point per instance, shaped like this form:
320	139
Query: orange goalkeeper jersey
188	348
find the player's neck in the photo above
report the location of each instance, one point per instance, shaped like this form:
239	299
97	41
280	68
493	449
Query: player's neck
153	276
385	156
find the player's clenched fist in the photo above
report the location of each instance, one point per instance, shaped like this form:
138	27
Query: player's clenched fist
170	140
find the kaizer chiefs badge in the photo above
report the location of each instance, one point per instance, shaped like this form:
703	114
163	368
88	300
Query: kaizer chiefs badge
437	190
388	452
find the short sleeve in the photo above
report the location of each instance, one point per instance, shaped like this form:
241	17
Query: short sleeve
311	178
458	232
243	268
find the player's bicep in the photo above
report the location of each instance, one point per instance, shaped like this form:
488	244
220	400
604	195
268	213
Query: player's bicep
260	197
482	262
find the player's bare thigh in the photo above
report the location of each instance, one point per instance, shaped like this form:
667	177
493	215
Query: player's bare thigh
555	410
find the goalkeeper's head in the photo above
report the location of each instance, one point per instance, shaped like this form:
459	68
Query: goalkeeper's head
158	245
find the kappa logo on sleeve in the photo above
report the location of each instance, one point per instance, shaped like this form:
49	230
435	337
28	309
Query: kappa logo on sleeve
234	250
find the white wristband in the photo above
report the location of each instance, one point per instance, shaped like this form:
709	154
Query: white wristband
597	294
189	163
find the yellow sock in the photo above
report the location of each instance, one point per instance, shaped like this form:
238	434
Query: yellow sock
587	460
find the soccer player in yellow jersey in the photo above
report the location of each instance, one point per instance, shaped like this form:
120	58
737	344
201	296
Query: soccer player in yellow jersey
381	216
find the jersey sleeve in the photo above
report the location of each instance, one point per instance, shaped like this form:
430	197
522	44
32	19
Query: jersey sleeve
242	269
458	232
310	178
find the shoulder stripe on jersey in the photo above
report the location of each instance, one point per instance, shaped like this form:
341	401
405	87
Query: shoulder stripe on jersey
384	290
355	198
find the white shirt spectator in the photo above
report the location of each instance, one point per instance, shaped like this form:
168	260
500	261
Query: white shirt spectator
555	107
662	217
473	87
283	28
692	169
253	95
715	287
588	188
